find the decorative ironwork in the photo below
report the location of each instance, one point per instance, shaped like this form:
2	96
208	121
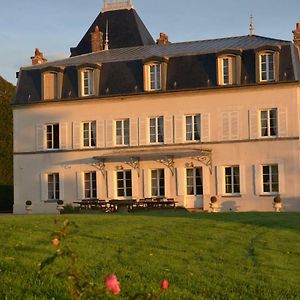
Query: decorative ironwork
134	162
205	158
100	165
169	162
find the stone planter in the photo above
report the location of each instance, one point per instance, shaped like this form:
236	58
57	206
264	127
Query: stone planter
59	207
277	206
28	209
214	207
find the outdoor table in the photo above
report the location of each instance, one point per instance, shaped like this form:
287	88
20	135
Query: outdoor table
122	205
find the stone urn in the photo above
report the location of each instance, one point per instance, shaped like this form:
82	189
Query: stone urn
214	206
28	206
60	205
277	204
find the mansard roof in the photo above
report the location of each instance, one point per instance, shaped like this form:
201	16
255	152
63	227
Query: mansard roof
125	29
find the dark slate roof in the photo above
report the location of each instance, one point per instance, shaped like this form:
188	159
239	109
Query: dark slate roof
126	29
171	50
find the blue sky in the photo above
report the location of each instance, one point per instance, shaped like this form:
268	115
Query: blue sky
55	26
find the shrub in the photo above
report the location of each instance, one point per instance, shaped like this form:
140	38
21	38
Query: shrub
28	202
277	199
213	199
60	202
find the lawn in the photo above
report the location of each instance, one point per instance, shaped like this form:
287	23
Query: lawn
204	256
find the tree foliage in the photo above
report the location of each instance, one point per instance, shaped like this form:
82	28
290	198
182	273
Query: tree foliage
7	91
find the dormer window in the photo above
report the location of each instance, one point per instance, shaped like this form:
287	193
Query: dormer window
50	85
229	69
87	82
266	66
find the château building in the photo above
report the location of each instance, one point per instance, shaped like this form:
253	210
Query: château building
129	117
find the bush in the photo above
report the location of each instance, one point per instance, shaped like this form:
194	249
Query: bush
60	202
28	202
213	199
277	199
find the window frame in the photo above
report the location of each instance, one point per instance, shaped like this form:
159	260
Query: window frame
92	140
55	141
231	184
125	188
233	68
267	54
125	138
270	181
90	185
159	130
87	84
268	126
195	185
160	187
193	126
55	186
153	76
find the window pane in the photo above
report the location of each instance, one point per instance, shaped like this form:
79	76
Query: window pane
56	136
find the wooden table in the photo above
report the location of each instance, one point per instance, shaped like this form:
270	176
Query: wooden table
91	203
122	205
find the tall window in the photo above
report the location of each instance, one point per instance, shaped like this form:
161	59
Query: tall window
87	82
232	180
89	134
269	122
124	183
192	127
270	179
52	136
158	183
194	183
53	186
90	185
50	84
155	77
225	71
267	70
157	130
122	132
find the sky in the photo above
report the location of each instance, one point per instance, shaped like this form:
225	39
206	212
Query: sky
55	26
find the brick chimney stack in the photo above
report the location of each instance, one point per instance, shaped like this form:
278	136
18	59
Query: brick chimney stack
163	39
38	57
296	33
97	40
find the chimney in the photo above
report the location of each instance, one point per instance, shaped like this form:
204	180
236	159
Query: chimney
163	39
38	57
296	33
97	40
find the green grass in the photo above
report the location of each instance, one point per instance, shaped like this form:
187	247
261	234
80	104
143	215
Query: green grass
204	256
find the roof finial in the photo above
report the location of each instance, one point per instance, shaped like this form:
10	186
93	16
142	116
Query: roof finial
251	26
106	44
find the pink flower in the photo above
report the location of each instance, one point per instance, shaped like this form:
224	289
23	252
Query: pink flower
112	284
55	242
165	284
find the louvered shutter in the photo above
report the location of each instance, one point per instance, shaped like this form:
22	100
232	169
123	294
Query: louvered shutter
100	134
61	186
168	183
80	185
257	169
135	184
234	120
206	181
63	133
133	132
147	183
98	184
282	181
181	181
109	133
40	137
282	122
225	126
243	180
179	129
168	129
143	131
220	181
44	187
254	129
205	127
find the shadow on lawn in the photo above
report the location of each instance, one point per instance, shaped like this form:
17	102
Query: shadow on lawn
284	220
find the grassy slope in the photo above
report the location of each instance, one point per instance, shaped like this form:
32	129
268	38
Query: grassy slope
224	256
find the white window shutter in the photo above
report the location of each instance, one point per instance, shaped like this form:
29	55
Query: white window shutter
147	183
282	122
254	124
143	131
98	184
243	187
168	129
61	186
258	180
205	127
206	181
181	181
179	129
109	133
234	121
63	134
168	183
44	187
133	132
80	187
135	184
76	135
281	175
225	126
220	181
100	134
40	137
112	185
